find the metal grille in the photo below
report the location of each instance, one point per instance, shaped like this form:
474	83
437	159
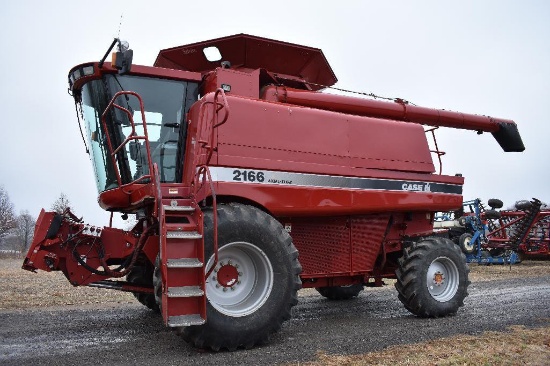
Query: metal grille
323	245
326	244
367	235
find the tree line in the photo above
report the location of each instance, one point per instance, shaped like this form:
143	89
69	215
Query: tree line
17	230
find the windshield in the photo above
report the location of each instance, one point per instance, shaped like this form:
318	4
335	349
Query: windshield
165	104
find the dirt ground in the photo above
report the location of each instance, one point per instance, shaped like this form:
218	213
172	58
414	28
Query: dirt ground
518	334
20	289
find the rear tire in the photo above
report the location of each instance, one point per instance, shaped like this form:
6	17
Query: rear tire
256	282
340	292
432	278
465	243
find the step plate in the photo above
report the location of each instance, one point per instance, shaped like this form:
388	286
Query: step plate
185	320
183	235
179	208
185	291
184	263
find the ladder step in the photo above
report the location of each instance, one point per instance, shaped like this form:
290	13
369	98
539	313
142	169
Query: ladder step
185	320
184	263
183	235
185	291
179	208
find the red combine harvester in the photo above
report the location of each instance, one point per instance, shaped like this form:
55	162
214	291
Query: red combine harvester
248	184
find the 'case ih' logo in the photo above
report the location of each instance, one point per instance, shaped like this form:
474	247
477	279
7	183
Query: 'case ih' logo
416	187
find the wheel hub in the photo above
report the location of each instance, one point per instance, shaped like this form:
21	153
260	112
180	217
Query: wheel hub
438	278
227	275
241	281
442	279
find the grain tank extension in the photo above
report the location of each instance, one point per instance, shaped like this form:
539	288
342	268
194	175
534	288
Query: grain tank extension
249	183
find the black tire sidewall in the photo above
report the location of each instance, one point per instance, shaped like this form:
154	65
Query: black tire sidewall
462	243
267	234
438	308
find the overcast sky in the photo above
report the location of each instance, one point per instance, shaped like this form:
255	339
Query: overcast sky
483	57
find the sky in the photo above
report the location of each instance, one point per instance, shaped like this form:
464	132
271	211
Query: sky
483	57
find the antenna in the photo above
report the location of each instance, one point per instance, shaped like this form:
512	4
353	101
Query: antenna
120	25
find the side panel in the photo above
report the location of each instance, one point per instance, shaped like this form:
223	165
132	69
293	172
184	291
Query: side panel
266	132
294	194
316	162
338	246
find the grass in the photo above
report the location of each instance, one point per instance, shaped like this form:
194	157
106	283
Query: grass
517	346
20	289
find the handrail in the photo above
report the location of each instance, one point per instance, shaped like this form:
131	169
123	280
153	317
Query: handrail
438	152
131	136
203	169
206	175
225	105
208	145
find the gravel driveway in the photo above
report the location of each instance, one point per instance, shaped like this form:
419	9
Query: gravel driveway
129	334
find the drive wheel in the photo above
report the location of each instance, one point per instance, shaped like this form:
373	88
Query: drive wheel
340	292
142	274
432	278
466	244
254	285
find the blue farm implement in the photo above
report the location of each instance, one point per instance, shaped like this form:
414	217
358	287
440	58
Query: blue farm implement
499	237
471	234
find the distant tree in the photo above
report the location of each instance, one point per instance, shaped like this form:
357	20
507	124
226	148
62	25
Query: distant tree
7	214
61	203
25	229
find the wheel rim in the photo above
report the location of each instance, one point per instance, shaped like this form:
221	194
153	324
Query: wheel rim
468	244
442	279
241	281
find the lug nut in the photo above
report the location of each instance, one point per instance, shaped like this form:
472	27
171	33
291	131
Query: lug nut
232	288
224	289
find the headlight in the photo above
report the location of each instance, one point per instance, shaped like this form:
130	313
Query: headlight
79	72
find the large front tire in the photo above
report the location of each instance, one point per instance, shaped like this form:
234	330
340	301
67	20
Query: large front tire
142	274
432	279
255	283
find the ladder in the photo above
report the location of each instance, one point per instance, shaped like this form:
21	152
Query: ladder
182	261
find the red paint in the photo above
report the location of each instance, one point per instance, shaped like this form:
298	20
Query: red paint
227	275
271	117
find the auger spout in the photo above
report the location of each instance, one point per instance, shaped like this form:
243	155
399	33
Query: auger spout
504	131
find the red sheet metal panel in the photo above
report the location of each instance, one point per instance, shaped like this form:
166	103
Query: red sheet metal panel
323	245
341	245
367	234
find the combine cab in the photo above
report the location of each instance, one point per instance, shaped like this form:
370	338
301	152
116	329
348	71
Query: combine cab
249	183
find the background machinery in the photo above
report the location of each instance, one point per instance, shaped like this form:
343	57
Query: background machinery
497	237
248	183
